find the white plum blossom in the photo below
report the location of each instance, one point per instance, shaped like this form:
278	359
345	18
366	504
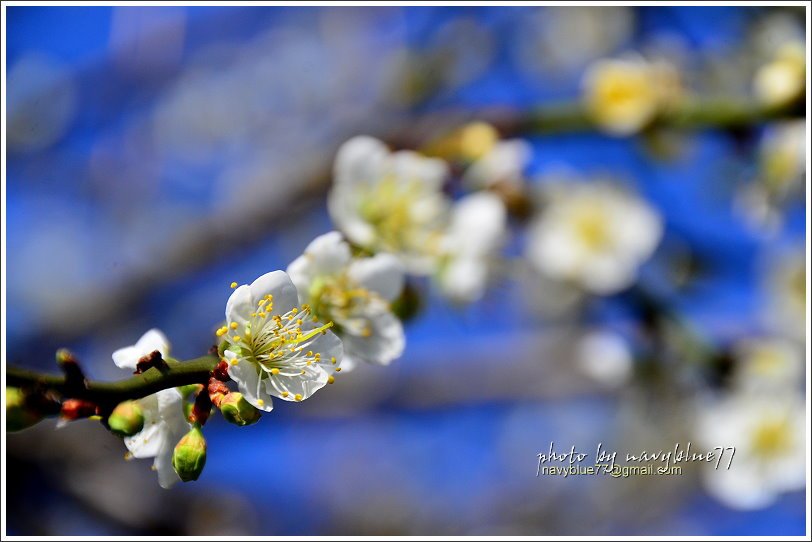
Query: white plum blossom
477	227
594	235
503	163
390	201
769	436
164	420
786	313
767	364
783	79
355	294
624	95
274	346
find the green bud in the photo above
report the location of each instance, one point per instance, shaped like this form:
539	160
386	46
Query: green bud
238	411
189	457
189	389
18	414
127	419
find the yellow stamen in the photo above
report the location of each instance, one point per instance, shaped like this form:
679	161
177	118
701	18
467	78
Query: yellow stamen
331	379
298	396
274	371
233	325
233	285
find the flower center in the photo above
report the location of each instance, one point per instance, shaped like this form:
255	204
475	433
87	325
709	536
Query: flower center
399	212
771	438
591	227
278	344
340	300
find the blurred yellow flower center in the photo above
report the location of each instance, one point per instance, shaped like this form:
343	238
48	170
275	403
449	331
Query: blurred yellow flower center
393	207
338	298
771	438
591	226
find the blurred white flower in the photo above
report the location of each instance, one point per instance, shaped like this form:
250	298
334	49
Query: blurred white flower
353	293
276	348
390	201
605	357
767	364
624	95
786	312
769	436
478	225
782	164
164	420
783	79
504	162
594	235
783	156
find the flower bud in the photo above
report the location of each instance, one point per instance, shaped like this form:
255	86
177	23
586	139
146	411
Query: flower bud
127	419
189	457
238	411
19	415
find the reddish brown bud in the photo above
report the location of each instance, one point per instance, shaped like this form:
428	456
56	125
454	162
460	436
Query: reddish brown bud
216	391
221	371
153	359
201	409
74	409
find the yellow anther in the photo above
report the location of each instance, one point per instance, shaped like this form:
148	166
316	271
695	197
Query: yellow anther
303	371
260	402
317	357
298	396
299	322
294	310
285	394
233	285
333	360
237	338
235	362
309	363
274	371
338	369
309	354
222	331
263	314
233	325
331	379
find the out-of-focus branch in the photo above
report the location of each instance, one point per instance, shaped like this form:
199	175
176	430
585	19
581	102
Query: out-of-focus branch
693	114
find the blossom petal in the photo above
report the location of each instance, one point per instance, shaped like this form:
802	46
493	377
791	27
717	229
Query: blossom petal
411	166
329	254
167	477
153	340
246	375
342	203
239	306
464	279
382	274
279	285
360	159
126	358
384	343
478	223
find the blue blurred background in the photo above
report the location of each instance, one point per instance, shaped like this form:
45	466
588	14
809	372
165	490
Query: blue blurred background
157	154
